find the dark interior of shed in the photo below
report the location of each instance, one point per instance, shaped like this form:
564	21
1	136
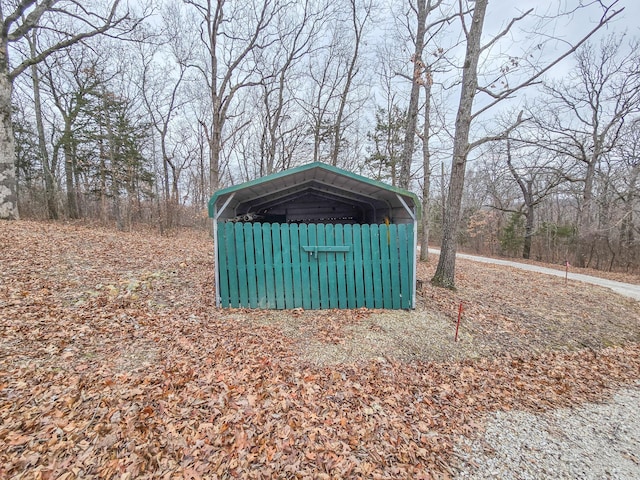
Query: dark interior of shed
312	206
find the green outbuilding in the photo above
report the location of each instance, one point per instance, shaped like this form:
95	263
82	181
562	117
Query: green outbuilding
315	237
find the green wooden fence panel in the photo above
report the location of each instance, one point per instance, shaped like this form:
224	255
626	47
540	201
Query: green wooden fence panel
304	269
314	269
376	266
230	245
243	291
287	267
232	277
322	268
296	274
411	262
252	288
268	265
329	259
223	269
394	263
368	267
260	272
385	242
350	291
341	260
405	243
315	266
358	266
277	265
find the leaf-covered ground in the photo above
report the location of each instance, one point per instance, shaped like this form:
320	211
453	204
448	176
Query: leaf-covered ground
114	363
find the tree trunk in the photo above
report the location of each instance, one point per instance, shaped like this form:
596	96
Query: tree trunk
214	159
47	166
8	185
69	163
76	176
527	194
585	216
445	272
528	232
426	168
414	98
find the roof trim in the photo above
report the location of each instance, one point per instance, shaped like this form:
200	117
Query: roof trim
310	166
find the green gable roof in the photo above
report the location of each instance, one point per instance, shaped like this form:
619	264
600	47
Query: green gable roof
318	177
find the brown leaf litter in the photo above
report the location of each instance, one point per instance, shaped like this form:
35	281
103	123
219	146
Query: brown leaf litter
114	363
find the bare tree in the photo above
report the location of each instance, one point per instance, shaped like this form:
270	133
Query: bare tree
297	31
70	22
324	80
445	271
425	136
421	74
330	98
233	35
49	163
164	96
585	114
444	275
358	22
627	189
70	80
536	180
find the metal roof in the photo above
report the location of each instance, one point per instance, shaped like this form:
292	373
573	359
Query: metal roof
318	179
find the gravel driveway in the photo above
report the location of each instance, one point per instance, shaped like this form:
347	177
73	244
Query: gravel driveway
593	441
626	289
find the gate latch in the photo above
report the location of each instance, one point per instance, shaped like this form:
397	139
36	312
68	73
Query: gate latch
315	249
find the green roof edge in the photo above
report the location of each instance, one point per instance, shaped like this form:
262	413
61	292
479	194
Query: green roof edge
310	166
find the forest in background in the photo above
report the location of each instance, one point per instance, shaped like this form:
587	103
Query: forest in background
167	102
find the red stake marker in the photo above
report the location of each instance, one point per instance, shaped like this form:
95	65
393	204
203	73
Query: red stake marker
459	317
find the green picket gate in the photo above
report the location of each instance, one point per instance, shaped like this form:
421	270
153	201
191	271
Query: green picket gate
315	266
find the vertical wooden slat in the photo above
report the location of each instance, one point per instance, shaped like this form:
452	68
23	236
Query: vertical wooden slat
332	265
223	268
268	266
249	249
340	258
230	246
296	274
304	268
287	267
243	291
322	267
378	298
394	264
385	243
411	261
314	269
261	283
406	246
368	267
277	265
350	292
358	266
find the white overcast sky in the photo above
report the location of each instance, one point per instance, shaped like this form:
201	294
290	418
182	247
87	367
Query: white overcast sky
501	11
567	28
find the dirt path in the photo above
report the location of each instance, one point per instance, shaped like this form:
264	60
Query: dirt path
626	289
